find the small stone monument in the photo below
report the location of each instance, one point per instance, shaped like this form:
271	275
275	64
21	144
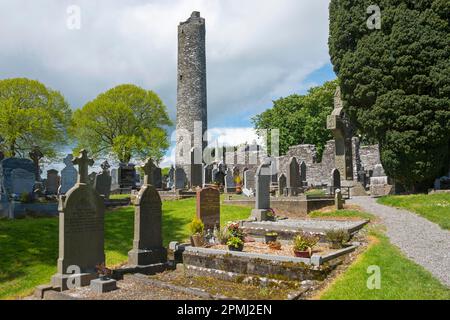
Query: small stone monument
335	180
171	179
249	179
103	181
262	201
230	184
157	178
196	168
293	177
22	181
281	185
52	182
81	231
148	247
338	201
208	207
68	175
180	178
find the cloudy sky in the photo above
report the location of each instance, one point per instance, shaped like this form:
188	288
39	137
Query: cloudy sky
257	50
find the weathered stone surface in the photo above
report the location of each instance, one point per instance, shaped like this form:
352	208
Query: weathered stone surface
208	207
339	203
191	92
180	178
157	178
249	179
81	229
335	181
282	184
22	181
293	177
103	183
262	200
196	179
148	243
230	185
127	176
100	286
6	168
52	182
68	175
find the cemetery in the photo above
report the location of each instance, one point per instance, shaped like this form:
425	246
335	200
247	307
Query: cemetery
238	223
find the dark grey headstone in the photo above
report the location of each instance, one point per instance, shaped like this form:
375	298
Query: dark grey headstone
52	182
23	181
302	173
230	185
335	179
148	243
103	184
249	179
157	178
281	184
127	176
196	179
180	178
263	180
81	229
293	177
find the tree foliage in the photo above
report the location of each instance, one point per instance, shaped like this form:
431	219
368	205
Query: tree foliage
396	82
31	114
301	119
126	121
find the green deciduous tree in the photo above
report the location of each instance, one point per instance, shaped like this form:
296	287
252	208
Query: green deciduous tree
126	121
301	119
31	114
396	82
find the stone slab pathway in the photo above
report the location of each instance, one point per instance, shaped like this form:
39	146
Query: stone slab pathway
419	239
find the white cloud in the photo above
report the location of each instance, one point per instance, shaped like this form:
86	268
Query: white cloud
257	50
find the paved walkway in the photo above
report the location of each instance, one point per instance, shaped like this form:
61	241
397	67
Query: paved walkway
419	239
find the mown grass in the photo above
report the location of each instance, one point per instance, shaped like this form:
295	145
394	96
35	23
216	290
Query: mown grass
401	279
434	207
29	247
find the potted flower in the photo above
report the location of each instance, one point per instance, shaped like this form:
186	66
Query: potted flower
235	244
103	272
238	183
197	232
235	231
337	237
303	244
270	237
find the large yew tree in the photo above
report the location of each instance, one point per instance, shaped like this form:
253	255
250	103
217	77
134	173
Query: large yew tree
126	122
396	82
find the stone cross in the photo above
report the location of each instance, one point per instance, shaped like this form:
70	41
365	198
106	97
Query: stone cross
36	155
148	168
105	166
83	163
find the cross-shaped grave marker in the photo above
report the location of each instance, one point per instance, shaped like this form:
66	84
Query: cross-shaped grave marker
83	163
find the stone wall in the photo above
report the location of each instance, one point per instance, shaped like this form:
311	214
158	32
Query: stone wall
370	156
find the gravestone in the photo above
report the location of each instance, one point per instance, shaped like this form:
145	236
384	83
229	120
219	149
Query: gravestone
196	178
207	175
437	184
157	178
208	207
302	174
249	179
22	181
338	200
378	171
52	182
262	200
274	170
230	185
68	175
36	155
127	176
114	179
335	180
103	181
81	231
282	185
10	164
293	177
379	186
148	243
180	178
171	180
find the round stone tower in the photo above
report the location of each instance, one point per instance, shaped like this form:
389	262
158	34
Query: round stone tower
191	91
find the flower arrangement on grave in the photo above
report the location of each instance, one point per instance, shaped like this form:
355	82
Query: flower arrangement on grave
103	272
197	228
276	245
271	215
304	243
235	244
222	235
270	237
238	182
337	237
236	231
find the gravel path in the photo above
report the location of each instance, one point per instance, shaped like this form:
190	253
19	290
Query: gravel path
419	239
